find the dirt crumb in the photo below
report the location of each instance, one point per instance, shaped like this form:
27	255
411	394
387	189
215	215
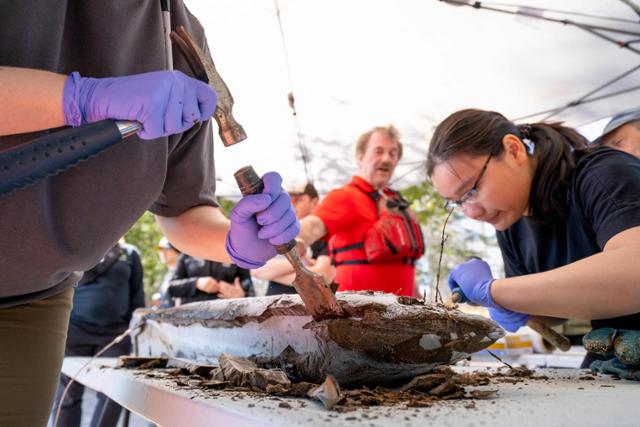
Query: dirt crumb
434	388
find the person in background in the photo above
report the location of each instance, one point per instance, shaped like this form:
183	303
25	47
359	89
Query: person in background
567	219
374	236
278	271
169	256
622	133
196	279
103	304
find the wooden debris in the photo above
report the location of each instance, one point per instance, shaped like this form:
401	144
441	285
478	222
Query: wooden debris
444	384
243	372
328	393
482	394
190	366
141	362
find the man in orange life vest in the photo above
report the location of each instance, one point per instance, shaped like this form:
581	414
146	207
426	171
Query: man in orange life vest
373	236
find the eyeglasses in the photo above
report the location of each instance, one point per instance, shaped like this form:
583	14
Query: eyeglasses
470	196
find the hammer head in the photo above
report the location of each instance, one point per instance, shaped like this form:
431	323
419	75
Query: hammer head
230	131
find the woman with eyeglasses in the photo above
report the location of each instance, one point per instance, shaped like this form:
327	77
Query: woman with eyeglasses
567	219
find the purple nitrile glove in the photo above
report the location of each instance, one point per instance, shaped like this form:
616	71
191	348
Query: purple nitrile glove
474	279
260	221
509	320
164	102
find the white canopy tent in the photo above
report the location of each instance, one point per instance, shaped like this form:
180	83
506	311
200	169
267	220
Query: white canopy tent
359	63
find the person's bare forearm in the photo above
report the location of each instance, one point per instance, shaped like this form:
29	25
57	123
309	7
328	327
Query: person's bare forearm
280	270
201	232
285	279
601	286
323	267
30	100
274	269
311	229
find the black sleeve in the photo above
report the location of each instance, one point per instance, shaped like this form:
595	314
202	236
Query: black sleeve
246	282
607	187
319	247
181	285
513	265
136	285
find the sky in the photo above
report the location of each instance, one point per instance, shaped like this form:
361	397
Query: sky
357	64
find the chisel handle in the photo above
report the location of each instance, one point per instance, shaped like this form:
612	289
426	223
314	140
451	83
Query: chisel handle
250	183
554	338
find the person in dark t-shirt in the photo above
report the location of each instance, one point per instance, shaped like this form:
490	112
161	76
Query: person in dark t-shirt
567	219
78	62
103	304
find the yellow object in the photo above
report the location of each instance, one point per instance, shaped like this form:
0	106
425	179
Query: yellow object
513	345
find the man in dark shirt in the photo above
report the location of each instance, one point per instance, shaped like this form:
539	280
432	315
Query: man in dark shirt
196	279
103	304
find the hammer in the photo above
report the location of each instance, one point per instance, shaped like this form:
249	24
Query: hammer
204	70
53	153
312	288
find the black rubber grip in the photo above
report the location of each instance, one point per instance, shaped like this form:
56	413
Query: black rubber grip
51	154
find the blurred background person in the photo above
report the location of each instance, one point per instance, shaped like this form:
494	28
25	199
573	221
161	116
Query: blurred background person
278	271
374	237
622	133
169	256
103	303
196	279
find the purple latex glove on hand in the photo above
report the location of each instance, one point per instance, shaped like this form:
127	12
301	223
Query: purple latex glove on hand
474	279
260	221
164	102
509	320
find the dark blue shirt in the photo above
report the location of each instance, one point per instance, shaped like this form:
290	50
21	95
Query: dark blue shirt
603	200
110	299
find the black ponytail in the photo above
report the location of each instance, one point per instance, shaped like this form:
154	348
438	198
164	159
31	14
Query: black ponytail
555	147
